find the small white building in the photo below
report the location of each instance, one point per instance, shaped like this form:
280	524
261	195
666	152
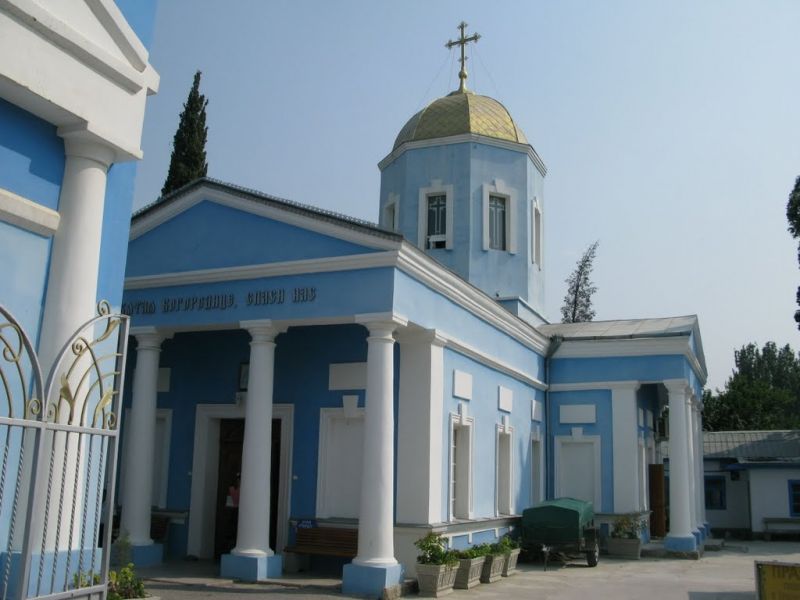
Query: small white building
752	481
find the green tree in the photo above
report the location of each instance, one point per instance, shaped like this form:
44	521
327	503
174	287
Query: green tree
188	161
577	306
793	216
762	393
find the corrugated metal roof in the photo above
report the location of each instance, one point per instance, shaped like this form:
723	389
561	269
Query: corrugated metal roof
749	446
624	328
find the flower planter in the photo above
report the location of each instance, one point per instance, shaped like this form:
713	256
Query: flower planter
624	548
510	564
493	568
436	580
468	573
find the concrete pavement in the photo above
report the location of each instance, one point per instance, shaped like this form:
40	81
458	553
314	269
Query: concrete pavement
723	575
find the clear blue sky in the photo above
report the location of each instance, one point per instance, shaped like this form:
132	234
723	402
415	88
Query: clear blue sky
671	130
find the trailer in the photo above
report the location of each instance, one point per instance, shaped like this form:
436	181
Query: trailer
563	525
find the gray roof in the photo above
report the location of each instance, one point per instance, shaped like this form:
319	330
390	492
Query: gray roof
283	203
752	444
629	328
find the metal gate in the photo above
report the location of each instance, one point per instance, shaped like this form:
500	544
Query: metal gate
58	455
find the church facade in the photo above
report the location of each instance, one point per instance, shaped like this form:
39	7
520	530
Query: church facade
294	368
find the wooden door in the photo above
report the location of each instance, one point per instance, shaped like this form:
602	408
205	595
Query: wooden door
658	501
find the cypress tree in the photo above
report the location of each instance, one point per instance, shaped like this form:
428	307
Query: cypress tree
577	306
188	161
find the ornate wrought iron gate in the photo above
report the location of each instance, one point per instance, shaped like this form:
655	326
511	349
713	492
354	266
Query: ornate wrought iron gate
58	455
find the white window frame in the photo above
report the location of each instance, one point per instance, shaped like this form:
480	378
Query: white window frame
461	508
537	469
507	487
536	233
391	213
499	188
435	189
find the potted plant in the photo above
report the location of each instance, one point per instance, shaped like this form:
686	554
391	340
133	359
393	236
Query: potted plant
625	537
470	566
494	563
510	548
436	566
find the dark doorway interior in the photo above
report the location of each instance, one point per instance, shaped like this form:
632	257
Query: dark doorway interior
231	437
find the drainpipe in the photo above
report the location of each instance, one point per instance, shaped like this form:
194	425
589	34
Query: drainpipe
555	344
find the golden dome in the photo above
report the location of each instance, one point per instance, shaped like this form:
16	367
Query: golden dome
458	113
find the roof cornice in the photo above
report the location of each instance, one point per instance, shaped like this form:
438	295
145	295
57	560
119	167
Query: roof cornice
466	138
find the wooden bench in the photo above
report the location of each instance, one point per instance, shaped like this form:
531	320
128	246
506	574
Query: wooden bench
325	541
781	526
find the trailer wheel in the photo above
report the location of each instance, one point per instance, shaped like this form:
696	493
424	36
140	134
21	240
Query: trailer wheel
593	555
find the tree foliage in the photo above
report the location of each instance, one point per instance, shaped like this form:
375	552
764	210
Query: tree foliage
188	161
762	393
577	306
793	216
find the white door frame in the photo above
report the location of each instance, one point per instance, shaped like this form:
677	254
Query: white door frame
326	417
561	440
205	466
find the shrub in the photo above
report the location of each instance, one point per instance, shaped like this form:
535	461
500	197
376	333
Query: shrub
434	551
125	584
507	544
628	526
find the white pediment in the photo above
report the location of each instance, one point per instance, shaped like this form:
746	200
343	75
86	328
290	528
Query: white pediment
78	65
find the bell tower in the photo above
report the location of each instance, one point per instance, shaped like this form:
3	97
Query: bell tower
463	183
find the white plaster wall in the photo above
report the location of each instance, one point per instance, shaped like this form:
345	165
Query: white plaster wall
737	508
769	494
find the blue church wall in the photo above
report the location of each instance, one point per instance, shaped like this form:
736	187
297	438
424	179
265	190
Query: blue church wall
320	295
417	169
483	408
116	224
31	166
601	399
205	370
647	400
25	257
431	310
618	368
210	235
499	271
468	167
31	156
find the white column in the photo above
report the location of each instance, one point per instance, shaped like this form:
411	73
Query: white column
624	415
701	462
699	476
679	484
692	466
252	538
137	492
376	520
420	419
75	254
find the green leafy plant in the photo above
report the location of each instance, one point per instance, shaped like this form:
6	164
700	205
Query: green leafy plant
125	584
472	552
433	551
507	544
85	579
628	526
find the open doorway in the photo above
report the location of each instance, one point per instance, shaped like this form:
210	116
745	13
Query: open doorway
231	438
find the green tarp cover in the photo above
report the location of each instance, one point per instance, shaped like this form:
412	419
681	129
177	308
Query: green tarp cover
556	521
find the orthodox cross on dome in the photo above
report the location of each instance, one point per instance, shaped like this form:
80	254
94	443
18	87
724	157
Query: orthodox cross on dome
463	41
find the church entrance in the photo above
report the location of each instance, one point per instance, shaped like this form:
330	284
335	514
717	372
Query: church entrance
231	438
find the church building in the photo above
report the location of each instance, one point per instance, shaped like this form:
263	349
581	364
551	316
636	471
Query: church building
293	368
